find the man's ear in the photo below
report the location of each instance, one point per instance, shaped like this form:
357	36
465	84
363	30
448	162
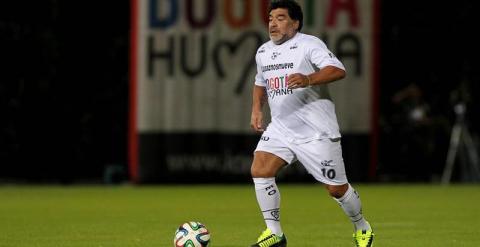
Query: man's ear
296	24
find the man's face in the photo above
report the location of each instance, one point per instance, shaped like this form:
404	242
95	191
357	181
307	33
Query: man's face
280	26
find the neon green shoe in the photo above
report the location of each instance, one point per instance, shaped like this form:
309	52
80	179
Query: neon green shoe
268	239
363	238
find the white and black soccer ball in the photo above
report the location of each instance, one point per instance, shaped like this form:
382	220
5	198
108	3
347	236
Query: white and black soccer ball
191	234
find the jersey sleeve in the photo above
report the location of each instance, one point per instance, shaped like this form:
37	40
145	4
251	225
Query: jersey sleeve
321	57
259	80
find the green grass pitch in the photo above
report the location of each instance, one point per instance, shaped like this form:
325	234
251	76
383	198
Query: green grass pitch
101	216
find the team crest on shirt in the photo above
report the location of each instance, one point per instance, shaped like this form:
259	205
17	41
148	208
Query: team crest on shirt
275	55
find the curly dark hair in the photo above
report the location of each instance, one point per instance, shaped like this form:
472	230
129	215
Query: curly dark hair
294	10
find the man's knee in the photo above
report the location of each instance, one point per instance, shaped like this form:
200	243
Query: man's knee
261	172
261	169
337	191
266	165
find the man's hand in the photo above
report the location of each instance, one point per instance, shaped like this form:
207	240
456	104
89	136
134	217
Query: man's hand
256	121
298	80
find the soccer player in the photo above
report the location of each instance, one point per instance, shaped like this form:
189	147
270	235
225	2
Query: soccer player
293	70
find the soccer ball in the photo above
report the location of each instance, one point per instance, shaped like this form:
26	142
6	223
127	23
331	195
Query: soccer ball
191	234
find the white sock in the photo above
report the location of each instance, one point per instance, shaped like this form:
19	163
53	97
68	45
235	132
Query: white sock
268	197
352	206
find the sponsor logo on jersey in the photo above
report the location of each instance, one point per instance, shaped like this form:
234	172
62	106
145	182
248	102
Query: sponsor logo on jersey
278	86
277	66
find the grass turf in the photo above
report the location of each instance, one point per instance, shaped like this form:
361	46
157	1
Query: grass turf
402	215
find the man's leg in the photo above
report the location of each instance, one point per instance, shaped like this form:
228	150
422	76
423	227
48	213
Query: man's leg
350	202
323	159
264	169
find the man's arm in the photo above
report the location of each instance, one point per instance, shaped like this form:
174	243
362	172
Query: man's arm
323	76
259	99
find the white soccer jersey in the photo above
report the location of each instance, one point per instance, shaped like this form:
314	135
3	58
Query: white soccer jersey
302	114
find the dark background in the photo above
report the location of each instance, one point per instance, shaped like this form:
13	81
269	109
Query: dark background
64	87
434	46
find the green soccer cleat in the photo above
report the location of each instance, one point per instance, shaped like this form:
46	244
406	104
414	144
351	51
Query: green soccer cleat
268	239
363	238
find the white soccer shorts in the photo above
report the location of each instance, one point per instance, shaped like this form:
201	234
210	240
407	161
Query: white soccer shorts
322	158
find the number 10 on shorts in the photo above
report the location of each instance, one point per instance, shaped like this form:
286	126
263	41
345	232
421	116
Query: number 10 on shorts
328	173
